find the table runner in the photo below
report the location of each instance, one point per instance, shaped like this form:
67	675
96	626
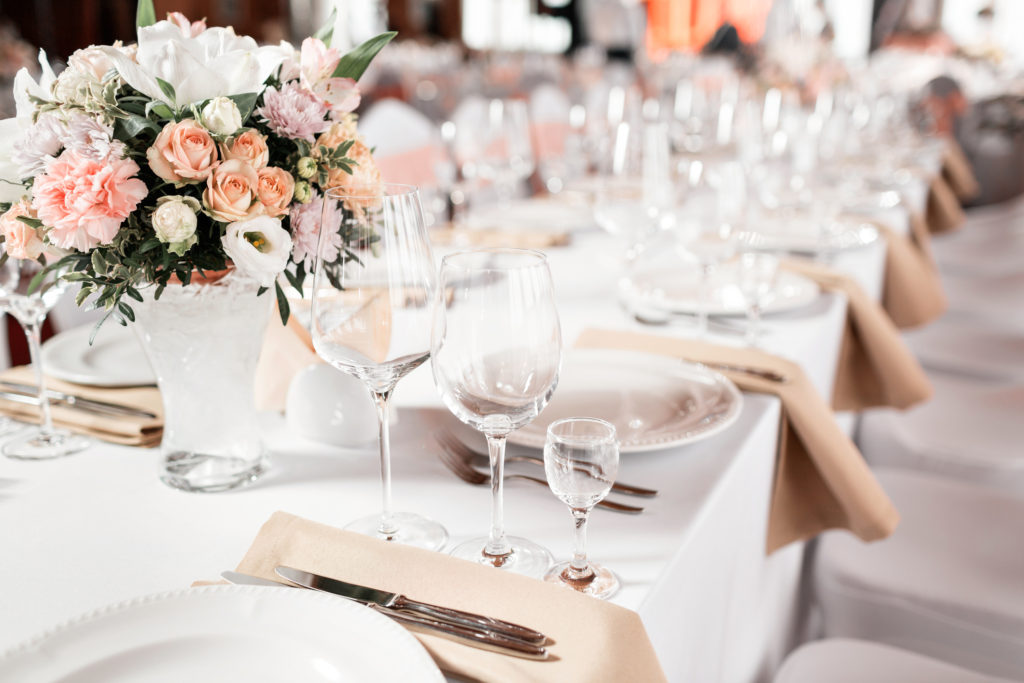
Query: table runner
594	640
821	479
875	366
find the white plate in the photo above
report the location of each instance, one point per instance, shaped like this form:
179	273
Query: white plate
801	234
537	215
115	359
224	633
677	290
654	401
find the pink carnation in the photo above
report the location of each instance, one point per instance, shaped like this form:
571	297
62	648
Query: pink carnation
305	225
293	112
84	201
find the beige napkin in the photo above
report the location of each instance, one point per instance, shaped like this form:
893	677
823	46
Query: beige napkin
594	641
912	294
875	366
821	479
957	171
125	430
943	213
498	237
287	350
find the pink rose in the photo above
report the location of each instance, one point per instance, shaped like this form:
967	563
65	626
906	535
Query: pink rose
83	202
231	192
188	29
250	147
275	187
183	153
92	61
20	240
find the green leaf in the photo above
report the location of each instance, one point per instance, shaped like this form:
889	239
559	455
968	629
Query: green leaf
30	222
326	32
145	15
167	89
245	102
282	304
83	293
355	62
99	265
159	108
133	293
135	124
37	280
149	245
126	310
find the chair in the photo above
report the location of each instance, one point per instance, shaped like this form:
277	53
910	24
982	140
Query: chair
407	145
946	585
839	660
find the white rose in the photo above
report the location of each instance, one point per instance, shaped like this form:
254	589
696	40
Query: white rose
174	222
92	60
259	247
221	116
77	87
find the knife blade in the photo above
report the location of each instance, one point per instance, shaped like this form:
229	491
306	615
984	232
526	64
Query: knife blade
75	401
485	640
398	602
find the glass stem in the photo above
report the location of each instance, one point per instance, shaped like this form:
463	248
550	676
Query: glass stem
33	333
754	325
704	305
497	545
387	528
579	555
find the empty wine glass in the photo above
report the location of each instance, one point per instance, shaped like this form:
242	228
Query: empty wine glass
496	354
30	309
756	274
373	284
712	244
506	152
581	460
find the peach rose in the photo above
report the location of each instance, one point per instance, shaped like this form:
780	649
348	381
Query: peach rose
364	180
275	189
183	153
231	193
21	241
250	147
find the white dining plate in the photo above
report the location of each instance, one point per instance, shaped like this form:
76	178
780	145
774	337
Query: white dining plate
225	633
115	358
654	401
540	214
678	290
803	235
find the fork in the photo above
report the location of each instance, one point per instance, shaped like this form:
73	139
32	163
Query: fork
475	457
469	474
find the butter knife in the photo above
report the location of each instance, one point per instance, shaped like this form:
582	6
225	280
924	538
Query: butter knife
400	603
87	404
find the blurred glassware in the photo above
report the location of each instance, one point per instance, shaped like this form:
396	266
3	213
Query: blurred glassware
757	274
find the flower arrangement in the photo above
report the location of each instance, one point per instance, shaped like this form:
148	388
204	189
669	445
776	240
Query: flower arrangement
189	151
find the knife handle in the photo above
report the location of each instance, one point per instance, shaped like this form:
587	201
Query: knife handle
495	642
469	619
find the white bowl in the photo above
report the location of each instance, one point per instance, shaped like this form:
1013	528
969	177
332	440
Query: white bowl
327	405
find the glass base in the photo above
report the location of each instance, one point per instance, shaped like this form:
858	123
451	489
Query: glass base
526	558
33	445
202	473
599	582
9	426
409	529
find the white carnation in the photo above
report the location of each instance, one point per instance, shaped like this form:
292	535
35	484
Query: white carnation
221	116
174	222
259	248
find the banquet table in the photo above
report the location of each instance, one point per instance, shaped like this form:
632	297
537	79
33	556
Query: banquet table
99	527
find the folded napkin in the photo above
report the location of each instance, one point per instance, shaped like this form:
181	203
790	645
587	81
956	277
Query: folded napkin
594	641
912	294
944	212
498	237
125	430
875	366
287	350
821	479
957	171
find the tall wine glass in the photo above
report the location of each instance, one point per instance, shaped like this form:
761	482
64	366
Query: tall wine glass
30	310
507	157
496	353
373	284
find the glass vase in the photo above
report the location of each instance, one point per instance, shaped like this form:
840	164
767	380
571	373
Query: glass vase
203	341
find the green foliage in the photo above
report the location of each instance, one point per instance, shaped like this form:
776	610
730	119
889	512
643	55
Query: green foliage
145	14
355	62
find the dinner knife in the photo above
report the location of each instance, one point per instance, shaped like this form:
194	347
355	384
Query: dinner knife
400	603
88	404
474	637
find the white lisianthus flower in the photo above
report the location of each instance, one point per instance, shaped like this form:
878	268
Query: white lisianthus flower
259	248
26	88
174	222
221	116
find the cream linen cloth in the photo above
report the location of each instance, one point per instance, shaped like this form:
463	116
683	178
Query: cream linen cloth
912	292
875	366
594	641
125	430
821	479
498	237
943	212
957	172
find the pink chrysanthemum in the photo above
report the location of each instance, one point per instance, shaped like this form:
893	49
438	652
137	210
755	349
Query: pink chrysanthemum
293	112
305	225
84	201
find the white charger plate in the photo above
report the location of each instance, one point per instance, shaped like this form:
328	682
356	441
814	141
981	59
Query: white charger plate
225	633
115	359
654	401
802	236
676	290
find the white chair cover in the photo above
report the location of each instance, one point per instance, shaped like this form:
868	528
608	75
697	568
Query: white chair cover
946	585
392	127
963	344
840	660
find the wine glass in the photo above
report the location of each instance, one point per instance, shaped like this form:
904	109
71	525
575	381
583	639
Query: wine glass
757	273
30	309
496	354
506	157
581	460
373	283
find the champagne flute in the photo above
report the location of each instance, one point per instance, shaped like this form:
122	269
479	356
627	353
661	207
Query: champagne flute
496	354
373	283
30	310
581	460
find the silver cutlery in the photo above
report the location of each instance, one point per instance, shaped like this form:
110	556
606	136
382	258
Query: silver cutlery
480	459
667	318
469	474
763	373
71	400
